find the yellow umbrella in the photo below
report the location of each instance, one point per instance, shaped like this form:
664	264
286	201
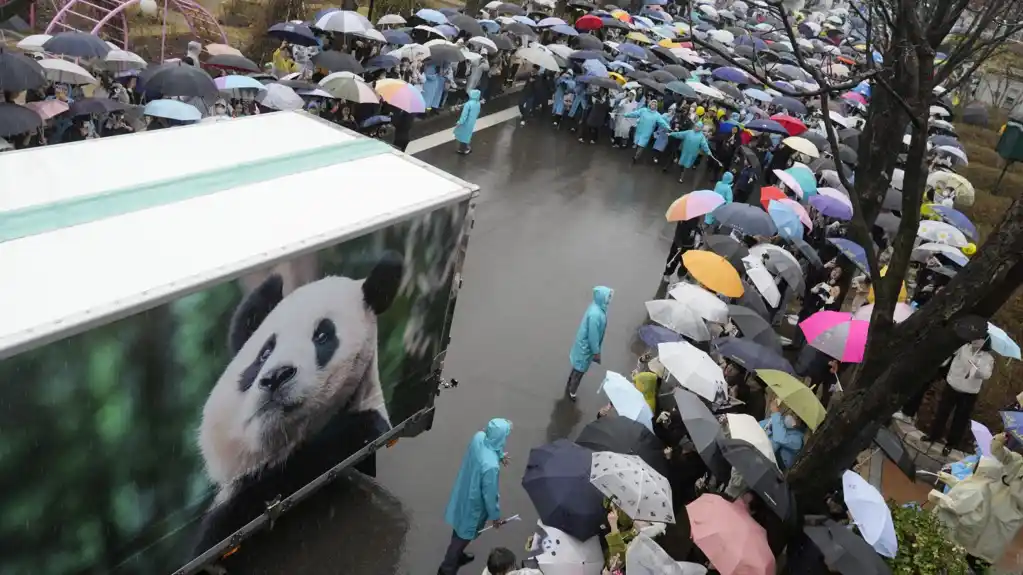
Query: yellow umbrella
638	37
669	44
802	145
713	272
621	15
903	294
796	396
617	78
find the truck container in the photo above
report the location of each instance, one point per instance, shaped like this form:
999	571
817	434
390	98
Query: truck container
201	326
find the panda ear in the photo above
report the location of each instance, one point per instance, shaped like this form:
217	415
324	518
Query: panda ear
253	310
382	284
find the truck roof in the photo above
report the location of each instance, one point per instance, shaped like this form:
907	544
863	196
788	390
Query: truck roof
97	230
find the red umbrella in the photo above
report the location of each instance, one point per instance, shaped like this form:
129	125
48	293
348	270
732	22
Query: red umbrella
792	125
768	193
588	22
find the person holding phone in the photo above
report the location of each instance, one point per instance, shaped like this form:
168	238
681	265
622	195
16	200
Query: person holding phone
971	365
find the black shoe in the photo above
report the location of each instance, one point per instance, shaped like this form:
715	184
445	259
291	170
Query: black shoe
926	439
946	451
465	559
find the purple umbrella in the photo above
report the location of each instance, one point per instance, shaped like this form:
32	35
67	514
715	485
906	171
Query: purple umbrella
729	74
831	207
652	335
853	251
757	43
632	51
767	126
957	219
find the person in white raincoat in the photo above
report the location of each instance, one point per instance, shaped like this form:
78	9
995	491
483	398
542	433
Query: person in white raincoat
623	125
984	511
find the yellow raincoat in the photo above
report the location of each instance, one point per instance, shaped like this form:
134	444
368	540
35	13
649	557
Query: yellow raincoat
985	511
646	383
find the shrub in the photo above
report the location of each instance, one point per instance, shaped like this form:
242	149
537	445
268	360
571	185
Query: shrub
924	545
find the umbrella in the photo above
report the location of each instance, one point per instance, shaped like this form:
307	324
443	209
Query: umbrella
348	86
785	219
793	126
294	33
646	557
678	317
172	110
334	61
397	37
837	334
34	43
808	252
512	9
832	207
768	193
942	233
15	119
924	251
791	104
484	42
65	72
655	334
343	21
177	79
894	449
606	83
557	480
1001	343
77	44
747	219
957	219
19	72
769	126
799	398
634	487
446	53
845	552
233	62
466	24
870	513
802	145
558	553
694	369
730	74
704	430
759	472
627	400
47	108
982	436
1012	423
681	88
713	271
280	97
762	280
705	304
728	248
900	314
853	251
99	106
729	536
751	355
779	261
754	326
747	428
623	435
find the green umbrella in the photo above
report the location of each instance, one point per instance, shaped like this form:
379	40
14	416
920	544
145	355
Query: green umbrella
799	398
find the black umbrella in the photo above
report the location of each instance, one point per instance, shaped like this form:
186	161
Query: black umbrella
662	76
846	552
466	24
78	44
582	5
87	106
750	220
752	301
513	9
15	119
679	72
754	327
847	154
760	474
816	138
638	75
625	436
294	33
607	83
791	104
557	480
445	53
730	249
728	89
334	61
178	79
652	84
975	115
946	141
520	29
232	62
750	355
19	72
588	42
681	88
704	431
892	200
298	84
501	41
583	55
893	447
666	55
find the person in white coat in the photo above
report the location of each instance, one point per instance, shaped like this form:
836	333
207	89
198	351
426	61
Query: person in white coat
623	125
971	365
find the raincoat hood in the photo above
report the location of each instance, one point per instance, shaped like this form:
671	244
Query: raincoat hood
602	296
727	178
496	435
474	95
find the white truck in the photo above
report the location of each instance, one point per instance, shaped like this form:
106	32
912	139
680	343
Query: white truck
201	326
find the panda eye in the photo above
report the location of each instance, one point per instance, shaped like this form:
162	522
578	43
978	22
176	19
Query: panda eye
324	333
320	337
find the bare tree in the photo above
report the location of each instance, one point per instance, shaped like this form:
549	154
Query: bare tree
900	359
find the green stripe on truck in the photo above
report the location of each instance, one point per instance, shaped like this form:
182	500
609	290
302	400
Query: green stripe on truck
46	218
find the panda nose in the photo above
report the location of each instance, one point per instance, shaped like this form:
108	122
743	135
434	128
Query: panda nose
278	377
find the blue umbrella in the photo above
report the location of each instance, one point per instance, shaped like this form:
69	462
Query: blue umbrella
657	15
172	110
1012	422
729	74
397	37
627	400
655	2
564	29
790	104
853	251
1001	343
783	85
525	21
432	16
619	65
375	121
750	355
447	30
758	94
595	68
383	62
769	126
756	43
295	33
632	51
747	219
958	219
490	26
324	12
786	219
557	480
652	335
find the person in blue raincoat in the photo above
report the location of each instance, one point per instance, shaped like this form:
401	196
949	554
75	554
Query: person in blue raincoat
579	104
433	86
588	338
693	142
648	120
564	85
724	189
787	434
475	499
467	122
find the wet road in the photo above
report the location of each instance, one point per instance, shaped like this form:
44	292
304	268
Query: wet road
555	218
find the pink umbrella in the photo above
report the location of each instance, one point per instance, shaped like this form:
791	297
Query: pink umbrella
734	543
789	182
694	204
47	108
902	311
855	97
800	211
837	334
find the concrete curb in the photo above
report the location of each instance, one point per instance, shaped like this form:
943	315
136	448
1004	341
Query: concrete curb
446	118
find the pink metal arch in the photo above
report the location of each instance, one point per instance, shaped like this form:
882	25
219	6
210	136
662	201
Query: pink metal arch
108	19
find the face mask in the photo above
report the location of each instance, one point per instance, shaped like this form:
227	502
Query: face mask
790	422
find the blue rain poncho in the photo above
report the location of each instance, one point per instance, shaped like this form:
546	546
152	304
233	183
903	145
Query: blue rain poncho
649	119
693	142
467	121
590	335
475	498
724	189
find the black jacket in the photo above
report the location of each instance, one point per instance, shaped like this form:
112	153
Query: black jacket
598	113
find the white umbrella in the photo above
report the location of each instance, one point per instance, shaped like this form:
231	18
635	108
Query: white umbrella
633	486
802	145
432	30
942	233
560	50
316	93
762	280
705	304
348	86
471	56
493	5
954	151
746	428
939	111
943	125
64	72
345	21
838	118
411	52
122	60
5	145
484	42
708	10
221	50
924	251
645	557
694	369
280	97
627	400
901	313
371	34
870	513
558	553
33	43
706	90
679	318
390	19
723	36
539	57
897	177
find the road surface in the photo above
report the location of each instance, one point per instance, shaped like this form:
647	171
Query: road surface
555	218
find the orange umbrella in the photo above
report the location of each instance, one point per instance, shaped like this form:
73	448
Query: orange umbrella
845	60
694	204
713	272
768	193
622	15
